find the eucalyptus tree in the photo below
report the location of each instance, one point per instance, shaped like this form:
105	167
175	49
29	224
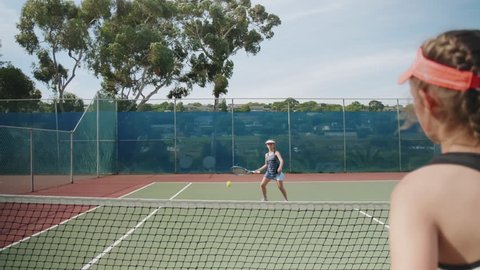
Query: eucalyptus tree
57	32
215	30
137	51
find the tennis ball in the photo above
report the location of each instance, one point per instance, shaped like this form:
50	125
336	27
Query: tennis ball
229	183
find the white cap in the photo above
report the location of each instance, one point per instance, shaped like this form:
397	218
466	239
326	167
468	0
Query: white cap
270	141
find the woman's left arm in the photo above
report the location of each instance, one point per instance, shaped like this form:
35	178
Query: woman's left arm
413	234
279	156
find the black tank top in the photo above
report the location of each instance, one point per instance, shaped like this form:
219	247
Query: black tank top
470	160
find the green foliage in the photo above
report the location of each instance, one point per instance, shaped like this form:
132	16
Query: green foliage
293	104
72	103
216	30
223	106
309	106
14	84
47	70
375	106
163	107
166	106
180	107
362	157
50	29
284	106
137	51
93	11
243	108
143	46
356	107
126	105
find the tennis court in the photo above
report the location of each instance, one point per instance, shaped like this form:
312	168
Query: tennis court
202	225
250	191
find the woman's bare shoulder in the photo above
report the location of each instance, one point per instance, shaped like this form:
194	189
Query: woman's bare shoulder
418	177
422	184
434	182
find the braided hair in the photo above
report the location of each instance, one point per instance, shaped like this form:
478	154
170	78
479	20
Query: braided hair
459	49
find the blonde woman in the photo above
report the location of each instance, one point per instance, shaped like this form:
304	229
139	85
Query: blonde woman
435	210
273	165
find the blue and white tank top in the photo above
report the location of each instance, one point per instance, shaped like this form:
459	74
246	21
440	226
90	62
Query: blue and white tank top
272	165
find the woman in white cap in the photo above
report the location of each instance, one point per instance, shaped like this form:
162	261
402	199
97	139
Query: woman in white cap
434	210
273	165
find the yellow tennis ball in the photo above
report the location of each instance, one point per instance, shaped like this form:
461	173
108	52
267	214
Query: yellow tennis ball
229	183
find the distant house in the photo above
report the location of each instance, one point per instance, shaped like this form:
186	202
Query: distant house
352	134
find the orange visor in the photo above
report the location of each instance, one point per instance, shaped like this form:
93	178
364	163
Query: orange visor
437	74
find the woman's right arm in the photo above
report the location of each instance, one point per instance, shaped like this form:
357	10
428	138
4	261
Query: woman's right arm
259	170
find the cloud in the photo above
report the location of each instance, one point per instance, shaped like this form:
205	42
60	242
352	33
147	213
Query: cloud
290	11
327	8
359	66
370	74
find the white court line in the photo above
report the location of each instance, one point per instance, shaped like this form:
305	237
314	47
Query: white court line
46	230
374	219
132	230
137	190
178	193
61	223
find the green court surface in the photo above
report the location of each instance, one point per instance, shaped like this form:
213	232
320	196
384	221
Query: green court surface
179	232
248	191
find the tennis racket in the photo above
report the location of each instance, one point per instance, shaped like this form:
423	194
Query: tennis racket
237	170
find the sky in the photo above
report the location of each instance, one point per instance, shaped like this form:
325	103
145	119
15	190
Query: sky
324	49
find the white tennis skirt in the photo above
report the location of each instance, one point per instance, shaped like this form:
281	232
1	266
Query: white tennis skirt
280	177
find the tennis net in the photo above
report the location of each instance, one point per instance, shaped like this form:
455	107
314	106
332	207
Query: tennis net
40	232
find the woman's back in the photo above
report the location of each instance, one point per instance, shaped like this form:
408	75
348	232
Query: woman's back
434	211
448	197
457	215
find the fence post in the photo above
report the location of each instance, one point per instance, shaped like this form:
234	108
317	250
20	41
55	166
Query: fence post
175	134
98	136
344	138
399	137
31	161
71	156
233	134
117	142
289	138
56	128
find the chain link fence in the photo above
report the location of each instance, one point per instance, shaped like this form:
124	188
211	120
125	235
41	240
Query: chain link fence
202	136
